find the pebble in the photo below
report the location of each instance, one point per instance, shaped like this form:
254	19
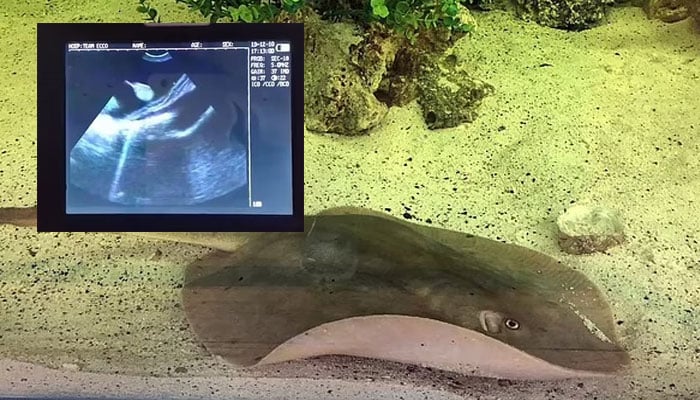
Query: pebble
70	367
586	229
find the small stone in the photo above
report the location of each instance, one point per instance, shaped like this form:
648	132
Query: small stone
156	256
70	367
180	370
585	229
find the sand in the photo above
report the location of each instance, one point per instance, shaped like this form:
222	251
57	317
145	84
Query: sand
614	121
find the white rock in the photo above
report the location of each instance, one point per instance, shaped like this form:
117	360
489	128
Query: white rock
70	367
585	229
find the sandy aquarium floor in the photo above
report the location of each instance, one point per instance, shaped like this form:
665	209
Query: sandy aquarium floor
615	121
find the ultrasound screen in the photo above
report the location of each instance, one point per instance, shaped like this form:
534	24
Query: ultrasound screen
178	128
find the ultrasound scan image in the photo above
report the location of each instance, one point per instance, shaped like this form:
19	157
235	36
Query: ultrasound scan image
169	132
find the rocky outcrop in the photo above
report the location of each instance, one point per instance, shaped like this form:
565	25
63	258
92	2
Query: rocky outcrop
337	97
448	96
572	15
352	79
667	10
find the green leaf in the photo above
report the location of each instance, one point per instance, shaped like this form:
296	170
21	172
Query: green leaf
451	10
255	10
402	8
269	11
233	14
292	6
142	9
381	11
152	13
244	13
377	3
205	7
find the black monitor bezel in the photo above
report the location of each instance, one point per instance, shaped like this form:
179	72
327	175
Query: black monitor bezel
52	39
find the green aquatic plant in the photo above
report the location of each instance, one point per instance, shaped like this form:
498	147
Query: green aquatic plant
403	16
150	12
409	16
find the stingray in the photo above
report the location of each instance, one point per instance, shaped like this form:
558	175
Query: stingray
363	284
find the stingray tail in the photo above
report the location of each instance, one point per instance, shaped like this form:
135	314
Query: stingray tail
226	241
18	216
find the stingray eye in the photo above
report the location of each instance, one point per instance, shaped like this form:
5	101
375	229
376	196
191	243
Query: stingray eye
511	324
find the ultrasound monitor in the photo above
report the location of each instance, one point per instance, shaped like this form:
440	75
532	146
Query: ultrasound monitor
156	127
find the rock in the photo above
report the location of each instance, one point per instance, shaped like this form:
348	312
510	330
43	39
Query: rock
667	10
352	79
70	367
337	99
156	256
585	229
412	60
572	15
342	104
448	96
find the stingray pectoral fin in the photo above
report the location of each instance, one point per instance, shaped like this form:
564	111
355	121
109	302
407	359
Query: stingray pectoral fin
225	241
420	341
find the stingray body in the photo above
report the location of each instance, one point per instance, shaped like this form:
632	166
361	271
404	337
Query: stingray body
346	284
360	283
